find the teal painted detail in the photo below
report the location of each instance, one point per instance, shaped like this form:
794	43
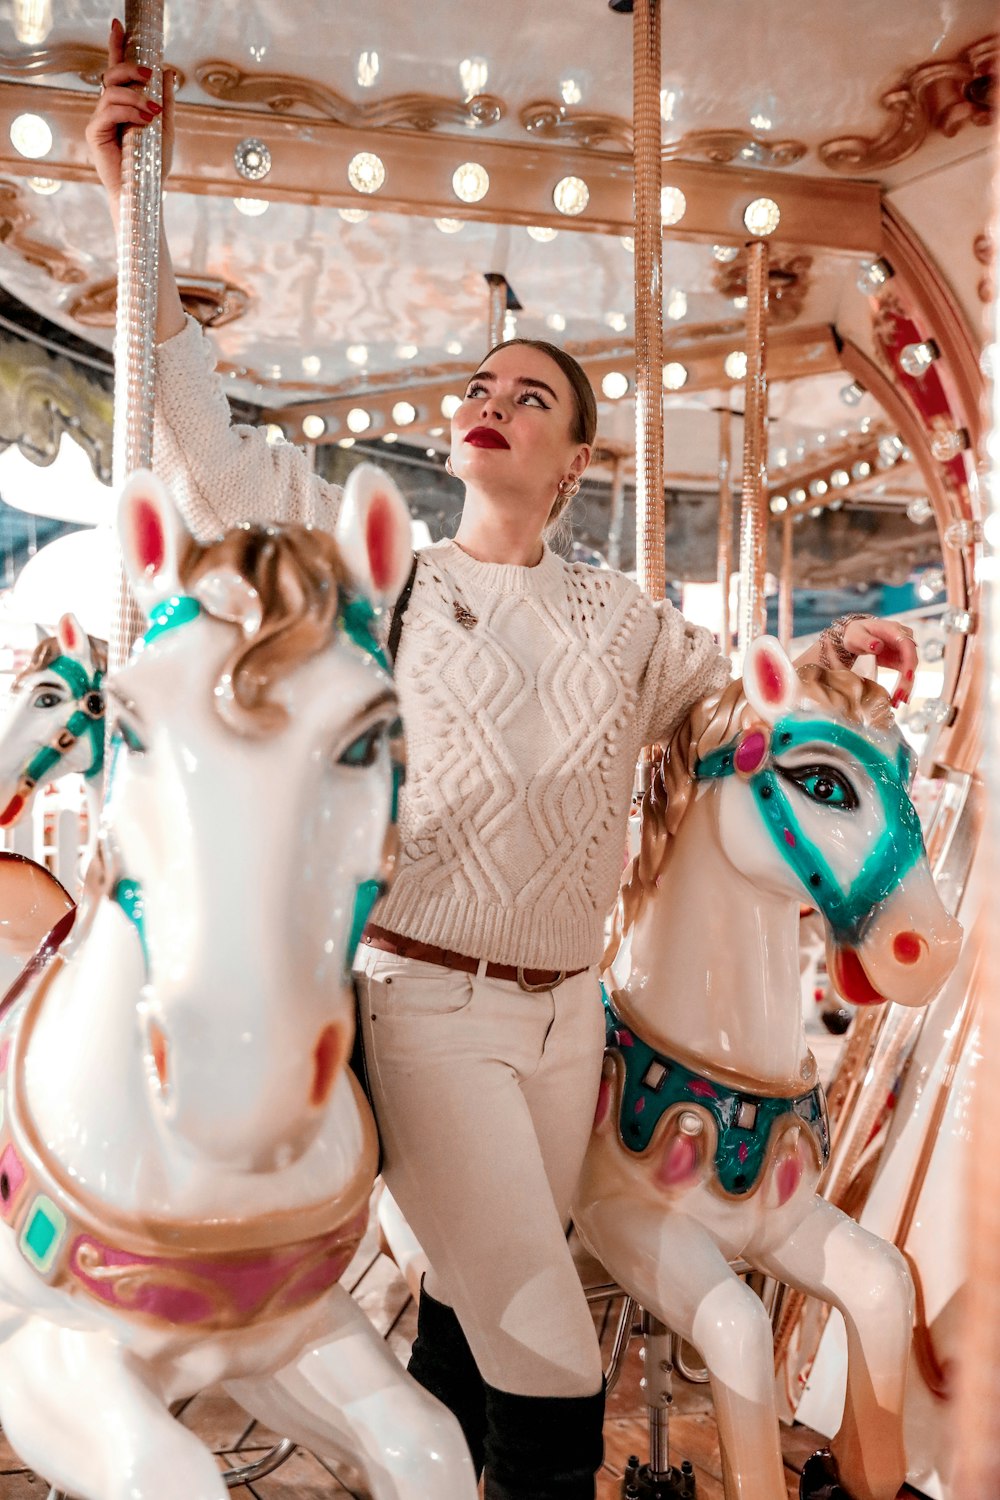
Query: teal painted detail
358	619
81	722
398	780
898	848
653	1082
169	614
367	894
42	1234
128	895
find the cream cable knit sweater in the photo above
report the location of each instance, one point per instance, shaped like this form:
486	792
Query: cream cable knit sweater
527	694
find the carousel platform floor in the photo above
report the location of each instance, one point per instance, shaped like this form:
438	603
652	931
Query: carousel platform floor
381	1291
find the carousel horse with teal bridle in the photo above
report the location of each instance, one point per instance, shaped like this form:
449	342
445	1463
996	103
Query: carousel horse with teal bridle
185	1158
711	1133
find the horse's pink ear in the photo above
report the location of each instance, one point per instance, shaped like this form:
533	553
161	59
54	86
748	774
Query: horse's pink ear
74	641
769	680
150	533
374	533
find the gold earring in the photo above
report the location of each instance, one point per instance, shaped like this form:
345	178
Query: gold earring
569	488
447	466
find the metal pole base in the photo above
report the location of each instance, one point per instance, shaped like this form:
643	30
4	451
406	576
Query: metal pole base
640	1483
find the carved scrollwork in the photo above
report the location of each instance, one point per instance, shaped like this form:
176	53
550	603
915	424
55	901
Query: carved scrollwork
943	95
210	299
725	146
286	94
14	221
788	283
78	58
553	122
984	250
44	395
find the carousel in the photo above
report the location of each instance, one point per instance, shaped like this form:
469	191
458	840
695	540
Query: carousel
768	235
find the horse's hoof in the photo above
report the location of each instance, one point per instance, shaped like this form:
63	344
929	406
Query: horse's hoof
820	1478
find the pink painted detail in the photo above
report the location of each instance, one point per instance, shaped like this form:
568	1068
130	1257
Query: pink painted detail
220	1291
769	678
623	1038
11	812
702	1088
790	838
639	1106
378	541
679	1162
743	1153
788	1176
908	947
603	1102
150	542
12	1175
4	1054
751	752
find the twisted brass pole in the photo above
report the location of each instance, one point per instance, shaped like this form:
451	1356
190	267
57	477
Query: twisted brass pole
753	512
138	266
648	299
786	607
724	549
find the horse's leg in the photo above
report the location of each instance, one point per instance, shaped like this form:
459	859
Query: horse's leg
397	1239
349	1398
82	1412
831	1257
671	1264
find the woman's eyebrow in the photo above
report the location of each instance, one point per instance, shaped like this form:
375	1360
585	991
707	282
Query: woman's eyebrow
522	380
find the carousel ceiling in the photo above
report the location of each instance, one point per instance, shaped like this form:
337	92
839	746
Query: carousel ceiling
363	309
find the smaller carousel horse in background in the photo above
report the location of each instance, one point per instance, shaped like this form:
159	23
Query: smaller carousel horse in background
711	1132
185	1159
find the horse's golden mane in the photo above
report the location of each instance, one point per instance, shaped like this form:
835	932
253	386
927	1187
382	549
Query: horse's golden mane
713	722
46	651
298	574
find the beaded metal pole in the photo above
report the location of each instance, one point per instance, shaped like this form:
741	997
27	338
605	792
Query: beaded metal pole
753	513
498	307
138	265
724	550
785	582
650	561
617	509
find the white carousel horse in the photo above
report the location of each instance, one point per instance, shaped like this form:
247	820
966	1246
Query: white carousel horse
185	1161
711	1131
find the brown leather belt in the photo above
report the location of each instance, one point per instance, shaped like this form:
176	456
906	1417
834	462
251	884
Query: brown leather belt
404	947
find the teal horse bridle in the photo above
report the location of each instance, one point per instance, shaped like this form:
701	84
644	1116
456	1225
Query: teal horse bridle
898	848
357	619
86	721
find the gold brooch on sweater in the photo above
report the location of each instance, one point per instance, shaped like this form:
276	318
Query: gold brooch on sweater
464	616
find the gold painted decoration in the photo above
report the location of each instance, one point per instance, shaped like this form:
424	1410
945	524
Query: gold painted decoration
724	147
548	120
789	279
44	395
942	96
15	220
78	58
287	94
210	299
984	250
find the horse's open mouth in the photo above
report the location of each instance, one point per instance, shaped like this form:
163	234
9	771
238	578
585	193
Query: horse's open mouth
850	979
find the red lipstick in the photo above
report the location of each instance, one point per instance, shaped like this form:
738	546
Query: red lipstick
486	437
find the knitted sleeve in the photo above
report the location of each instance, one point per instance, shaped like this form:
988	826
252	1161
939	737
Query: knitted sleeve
220	473
684	665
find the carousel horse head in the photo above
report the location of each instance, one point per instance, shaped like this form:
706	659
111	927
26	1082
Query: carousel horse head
55	723
812	781
250	817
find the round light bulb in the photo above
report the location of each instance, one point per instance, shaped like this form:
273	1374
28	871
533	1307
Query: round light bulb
673	205
470	182
448	226
251	208
674	376
677	304
450	405
762	217
571	195
614	385
366	172
735	364
44	186
357	354
252	159
353	215
31	136
542	233
313	426
358	420
404	413
311	364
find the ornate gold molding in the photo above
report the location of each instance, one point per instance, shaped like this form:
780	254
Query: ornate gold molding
285	94
210	299
44	395
550	121
727	146
14	221
944	96
79	58
789	278
985	252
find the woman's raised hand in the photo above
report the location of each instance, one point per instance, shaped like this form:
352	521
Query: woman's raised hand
123	104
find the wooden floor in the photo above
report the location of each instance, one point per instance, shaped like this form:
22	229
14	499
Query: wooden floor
381	1292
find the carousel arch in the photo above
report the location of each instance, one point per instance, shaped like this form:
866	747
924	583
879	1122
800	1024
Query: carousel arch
842	209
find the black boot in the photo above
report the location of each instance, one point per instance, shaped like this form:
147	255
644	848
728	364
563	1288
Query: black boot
543	1447
820	1478
441	1361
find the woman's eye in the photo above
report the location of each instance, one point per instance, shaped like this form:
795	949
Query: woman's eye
47	700
362	751
534	396
476	389
823	784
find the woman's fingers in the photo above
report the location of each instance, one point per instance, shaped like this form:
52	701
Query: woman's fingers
126	72
893	647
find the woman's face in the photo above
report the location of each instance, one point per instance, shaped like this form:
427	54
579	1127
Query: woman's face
513	430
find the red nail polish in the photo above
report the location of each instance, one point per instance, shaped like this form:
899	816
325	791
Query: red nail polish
157	109
875	645
147	115
144	72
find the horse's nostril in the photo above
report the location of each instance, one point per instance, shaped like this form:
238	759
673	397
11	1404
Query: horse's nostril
325	1062
908	947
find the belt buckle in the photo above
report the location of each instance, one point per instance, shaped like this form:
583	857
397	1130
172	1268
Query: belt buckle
536	989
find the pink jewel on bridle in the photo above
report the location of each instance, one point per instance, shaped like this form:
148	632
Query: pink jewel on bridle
752	751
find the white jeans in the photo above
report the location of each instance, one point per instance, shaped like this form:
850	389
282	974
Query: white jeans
485	1098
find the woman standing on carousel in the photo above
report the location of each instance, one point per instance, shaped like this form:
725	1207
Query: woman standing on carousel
528	686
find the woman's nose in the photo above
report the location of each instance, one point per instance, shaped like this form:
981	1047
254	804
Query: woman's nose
493	408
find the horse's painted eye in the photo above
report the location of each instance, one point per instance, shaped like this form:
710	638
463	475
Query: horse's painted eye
47	700
133	744
825	785
362	751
